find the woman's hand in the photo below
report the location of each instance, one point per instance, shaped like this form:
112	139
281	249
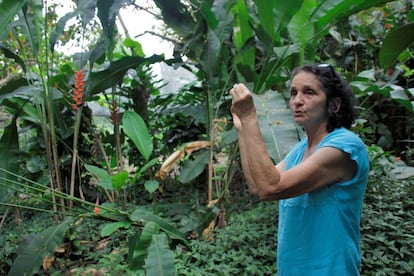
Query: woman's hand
242	104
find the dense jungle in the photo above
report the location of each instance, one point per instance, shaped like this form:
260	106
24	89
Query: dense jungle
115	161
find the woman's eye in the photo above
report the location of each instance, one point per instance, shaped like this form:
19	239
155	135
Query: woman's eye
309	92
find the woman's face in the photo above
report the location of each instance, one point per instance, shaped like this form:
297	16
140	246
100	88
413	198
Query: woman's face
308	100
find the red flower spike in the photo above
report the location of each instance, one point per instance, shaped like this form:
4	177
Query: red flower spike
97	209
115	118
78	92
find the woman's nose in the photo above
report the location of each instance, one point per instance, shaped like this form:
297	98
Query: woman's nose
297	99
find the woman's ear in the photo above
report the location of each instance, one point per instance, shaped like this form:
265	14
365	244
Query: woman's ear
334	105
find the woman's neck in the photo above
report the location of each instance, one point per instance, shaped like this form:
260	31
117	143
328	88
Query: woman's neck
315	136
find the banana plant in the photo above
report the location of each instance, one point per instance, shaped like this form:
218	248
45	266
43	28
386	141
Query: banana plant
257	42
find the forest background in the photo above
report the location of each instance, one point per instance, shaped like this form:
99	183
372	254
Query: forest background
107	168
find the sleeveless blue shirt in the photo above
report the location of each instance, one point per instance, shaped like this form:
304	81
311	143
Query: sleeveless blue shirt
319	232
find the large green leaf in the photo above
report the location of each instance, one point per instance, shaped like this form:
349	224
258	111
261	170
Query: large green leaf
110	228
10	88
103	176
299	27
60	27
160	260
171	230
139	250
394	43
31	255
9	148
328	12
135	128
101	80
243	33
276	123
275	15
25	91
119	180
193	168
176	15
219	21
31	25
10	54
8	9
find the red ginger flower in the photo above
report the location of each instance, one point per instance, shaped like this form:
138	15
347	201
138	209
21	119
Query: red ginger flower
78	92
96	209
115	113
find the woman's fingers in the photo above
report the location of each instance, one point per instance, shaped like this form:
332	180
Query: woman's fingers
242	103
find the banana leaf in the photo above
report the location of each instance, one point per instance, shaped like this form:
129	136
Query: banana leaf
9	148
395	43
139	247
279	131
101	80
146	216
193	168
31	255
160	260
8	9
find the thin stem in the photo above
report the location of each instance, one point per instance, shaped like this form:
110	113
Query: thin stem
3	219
74	154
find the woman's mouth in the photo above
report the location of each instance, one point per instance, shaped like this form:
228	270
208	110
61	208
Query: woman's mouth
298	113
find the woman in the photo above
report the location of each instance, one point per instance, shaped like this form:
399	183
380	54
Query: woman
320	183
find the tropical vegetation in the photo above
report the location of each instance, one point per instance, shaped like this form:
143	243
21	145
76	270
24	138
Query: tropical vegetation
104	170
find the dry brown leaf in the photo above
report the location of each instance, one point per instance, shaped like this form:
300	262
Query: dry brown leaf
212	203
48	262
169	163
61	249
208	233
196	145
102	244
174	158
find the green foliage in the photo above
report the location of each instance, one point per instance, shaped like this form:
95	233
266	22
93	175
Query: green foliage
105	180
160	260
134	126
138	246
277	126
395	43
8	8
193	168
140	215
387	220
9	146
221	42
31	254
247	246
110	228
100	80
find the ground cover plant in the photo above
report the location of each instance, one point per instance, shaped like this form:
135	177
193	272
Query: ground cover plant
247	245
153	186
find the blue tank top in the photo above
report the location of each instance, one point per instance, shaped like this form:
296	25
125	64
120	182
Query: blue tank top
319	232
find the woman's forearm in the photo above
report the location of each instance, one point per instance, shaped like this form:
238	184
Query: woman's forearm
245	166
260	168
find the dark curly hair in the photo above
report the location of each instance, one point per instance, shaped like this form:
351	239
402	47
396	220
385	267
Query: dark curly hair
334	87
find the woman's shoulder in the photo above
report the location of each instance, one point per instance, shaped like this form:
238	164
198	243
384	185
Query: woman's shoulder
347	141
343	135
